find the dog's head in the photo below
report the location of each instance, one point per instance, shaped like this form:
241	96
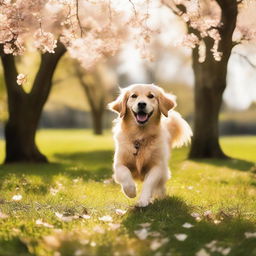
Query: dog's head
143	102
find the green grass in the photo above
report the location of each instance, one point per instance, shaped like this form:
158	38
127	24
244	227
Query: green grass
81	162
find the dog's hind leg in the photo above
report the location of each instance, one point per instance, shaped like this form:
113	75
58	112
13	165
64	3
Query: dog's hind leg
123	176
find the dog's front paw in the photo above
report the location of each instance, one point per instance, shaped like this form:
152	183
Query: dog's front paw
142	203
129	190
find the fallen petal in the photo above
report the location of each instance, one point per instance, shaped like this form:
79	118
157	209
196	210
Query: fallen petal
226	251
39	222
99	229
154	234
250	234
17	197
208	213
195	214
86	216
114	226
52	241
157	243
120	212
106	218
3	215
187	225
211	244
145	225
142	234
202	252
181	237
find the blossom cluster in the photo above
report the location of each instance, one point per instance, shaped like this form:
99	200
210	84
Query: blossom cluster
204	20
90	30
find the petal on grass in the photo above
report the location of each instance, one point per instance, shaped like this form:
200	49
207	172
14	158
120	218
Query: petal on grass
52	241
226	251
157	243
64	218
17	197
106	218
154	234
120	212
142	234
54	191
86	216
202	252
195	214
99	229
39	222
145	225
250	234
187	225
211	244
114	226
3	215
181	237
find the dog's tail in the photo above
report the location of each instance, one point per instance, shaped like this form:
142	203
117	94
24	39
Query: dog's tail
179	129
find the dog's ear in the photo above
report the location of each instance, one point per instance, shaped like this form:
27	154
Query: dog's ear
120	104
167	102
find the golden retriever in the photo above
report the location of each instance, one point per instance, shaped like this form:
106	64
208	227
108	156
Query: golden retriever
145	131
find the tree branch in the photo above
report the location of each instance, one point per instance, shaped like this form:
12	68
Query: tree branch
10	73
86	88
246	59
78	19
133	7
229	12
43	80
176	9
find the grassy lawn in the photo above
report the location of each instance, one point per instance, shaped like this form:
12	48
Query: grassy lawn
71	206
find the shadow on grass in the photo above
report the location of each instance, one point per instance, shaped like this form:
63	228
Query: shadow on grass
237	164
167	217
92	165
87	157
13	247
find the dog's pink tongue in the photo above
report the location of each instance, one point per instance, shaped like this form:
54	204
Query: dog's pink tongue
142	117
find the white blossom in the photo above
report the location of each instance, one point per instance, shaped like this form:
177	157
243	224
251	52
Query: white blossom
17	197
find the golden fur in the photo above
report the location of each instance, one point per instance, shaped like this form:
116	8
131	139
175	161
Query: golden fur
143	150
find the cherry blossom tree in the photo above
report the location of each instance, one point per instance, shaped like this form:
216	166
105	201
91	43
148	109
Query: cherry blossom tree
214	27
89	30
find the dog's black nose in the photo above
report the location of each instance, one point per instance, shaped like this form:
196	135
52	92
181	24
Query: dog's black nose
142	105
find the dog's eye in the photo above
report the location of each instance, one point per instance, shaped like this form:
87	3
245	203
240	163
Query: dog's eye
150	96
134	96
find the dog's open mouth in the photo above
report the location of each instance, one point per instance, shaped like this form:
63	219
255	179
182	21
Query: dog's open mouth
142	117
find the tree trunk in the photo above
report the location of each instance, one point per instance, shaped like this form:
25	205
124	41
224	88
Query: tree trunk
20	133
208	98
25	108
210	77
210	83
97	118
96	102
